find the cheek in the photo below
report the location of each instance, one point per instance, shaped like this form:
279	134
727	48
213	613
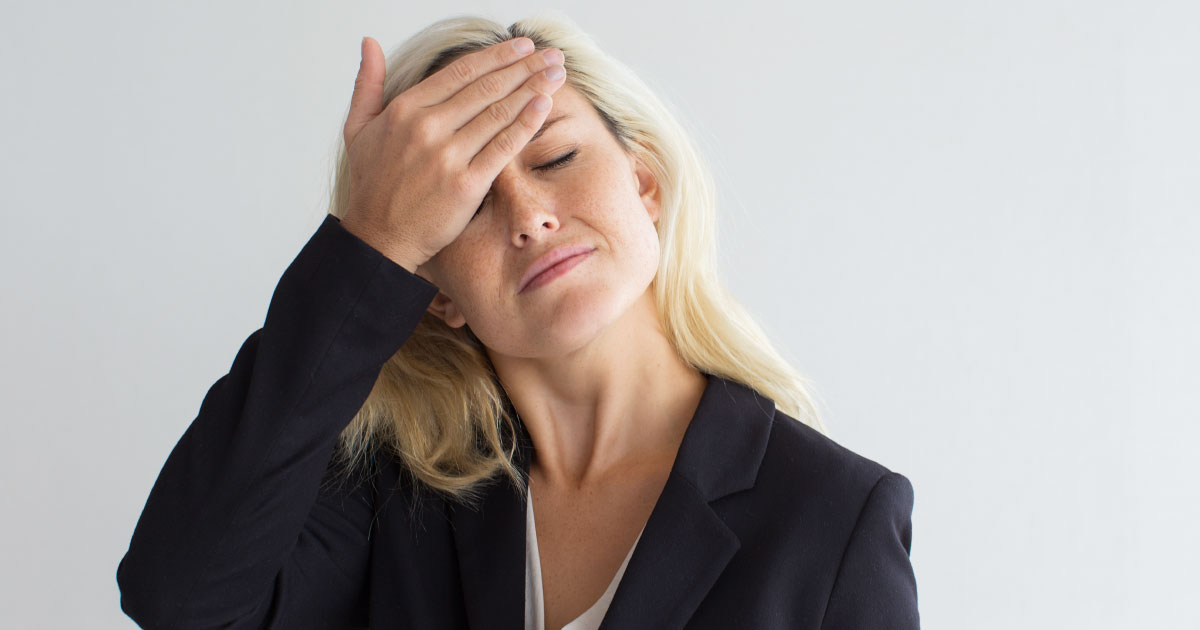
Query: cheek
468	289
650	244
636	221
477	285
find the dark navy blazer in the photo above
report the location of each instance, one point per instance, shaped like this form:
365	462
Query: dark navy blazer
763	522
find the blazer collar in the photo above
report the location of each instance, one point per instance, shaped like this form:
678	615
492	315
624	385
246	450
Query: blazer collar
683	549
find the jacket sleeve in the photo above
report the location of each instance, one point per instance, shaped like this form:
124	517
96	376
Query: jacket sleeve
240	529
875	587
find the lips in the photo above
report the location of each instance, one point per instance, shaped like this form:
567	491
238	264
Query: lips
551	258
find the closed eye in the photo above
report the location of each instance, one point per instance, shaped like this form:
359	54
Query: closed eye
558	163
550	166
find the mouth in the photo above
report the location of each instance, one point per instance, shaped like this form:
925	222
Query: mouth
559	268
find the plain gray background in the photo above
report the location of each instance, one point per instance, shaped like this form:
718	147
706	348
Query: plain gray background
973	224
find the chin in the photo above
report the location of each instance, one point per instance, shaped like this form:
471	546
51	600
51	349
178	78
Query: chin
578	323
571	324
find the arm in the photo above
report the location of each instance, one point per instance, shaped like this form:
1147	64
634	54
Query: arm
875	586
239	530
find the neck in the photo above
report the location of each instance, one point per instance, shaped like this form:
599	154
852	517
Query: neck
622	400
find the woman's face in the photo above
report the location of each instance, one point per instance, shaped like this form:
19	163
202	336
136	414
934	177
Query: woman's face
601	198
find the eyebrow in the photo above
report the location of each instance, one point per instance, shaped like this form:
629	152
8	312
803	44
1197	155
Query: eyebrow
546	125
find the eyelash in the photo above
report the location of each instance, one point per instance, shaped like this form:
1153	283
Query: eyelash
555	164
560	162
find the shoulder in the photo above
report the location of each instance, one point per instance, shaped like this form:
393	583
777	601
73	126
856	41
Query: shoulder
850	518
808	471
828	523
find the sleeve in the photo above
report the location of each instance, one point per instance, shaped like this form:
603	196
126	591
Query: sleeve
240	530
875	587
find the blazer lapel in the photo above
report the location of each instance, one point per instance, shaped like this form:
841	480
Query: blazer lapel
686	544
683	549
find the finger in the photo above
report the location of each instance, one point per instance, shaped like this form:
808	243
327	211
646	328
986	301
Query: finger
486	91
461	72
367	100
497	117
509	142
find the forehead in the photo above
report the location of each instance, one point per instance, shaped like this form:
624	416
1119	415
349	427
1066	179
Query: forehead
568	97
572	116
572	103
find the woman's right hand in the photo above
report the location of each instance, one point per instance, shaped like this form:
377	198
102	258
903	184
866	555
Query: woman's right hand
421	167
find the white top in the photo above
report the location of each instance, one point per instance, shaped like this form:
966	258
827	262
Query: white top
535	609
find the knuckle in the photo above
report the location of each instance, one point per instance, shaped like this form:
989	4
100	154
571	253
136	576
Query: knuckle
505	142
490	85
393	120
499	112
461	70
424	129
447	164
529	123
400	106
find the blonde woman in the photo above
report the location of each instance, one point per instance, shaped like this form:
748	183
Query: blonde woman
502	387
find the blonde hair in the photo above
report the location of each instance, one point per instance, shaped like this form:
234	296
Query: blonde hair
437	404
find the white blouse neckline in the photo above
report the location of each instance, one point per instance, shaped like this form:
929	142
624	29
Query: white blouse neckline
534	603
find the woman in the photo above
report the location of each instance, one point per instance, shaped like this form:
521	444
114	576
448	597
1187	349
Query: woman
501	387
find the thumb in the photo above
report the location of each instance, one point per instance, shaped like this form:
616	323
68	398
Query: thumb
367	100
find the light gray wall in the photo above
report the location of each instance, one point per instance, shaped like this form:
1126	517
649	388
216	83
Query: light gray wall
973	224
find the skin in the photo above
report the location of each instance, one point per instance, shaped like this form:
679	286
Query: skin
583	359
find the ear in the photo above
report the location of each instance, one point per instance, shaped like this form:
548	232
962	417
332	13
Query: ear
446	310
442	306
647	186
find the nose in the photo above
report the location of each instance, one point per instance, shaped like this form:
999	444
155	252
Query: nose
533	225
529	208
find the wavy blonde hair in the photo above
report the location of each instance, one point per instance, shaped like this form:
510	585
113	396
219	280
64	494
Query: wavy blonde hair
437	404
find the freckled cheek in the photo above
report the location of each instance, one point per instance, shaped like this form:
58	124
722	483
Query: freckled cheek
648	238
479	286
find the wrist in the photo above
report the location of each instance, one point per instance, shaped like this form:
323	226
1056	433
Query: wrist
399	253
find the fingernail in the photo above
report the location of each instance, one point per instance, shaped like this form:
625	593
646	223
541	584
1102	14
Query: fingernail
523	45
